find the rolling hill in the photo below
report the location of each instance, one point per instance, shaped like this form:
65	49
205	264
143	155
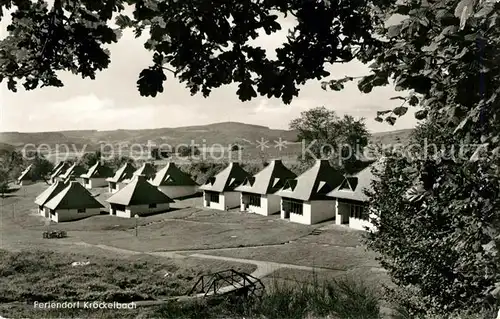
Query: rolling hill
225	133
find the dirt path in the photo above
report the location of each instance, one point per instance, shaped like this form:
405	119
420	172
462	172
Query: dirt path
264	268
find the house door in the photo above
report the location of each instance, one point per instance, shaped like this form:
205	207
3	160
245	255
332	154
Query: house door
286	214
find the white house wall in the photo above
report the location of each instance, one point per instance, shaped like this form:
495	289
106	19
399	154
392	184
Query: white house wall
261	210
64	215
119	186
231	199
96	182
269	204
273	204
131	211
314	212
179	191
226	199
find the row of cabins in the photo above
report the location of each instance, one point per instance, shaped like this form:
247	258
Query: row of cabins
134	192
321	193
170	179
70	200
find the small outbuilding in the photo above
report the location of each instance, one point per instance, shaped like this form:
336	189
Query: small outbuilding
351	200
72	203
47	195
58	171
219	191
174	182
146	169
257	192
304	199
73	173
96	176
123	173
138	197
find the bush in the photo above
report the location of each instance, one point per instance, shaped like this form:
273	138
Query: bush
440	246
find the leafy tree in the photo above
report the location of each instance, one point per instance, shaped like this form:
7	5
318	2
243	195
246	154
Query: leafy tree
89	159
12	164
186	151
189	39
41	167
119	161
327	135
442	53
442	239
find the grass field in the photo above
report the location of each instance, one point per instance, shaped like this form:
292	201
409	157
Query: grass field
123	264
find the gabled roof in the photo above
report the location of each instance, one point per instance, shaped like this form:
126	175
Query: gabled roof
354	186
73	170
139	192
124	172
147	169
171	175
267	181
228	179
313	184
58	166
61	168
50	192
98	171
73	196
27	174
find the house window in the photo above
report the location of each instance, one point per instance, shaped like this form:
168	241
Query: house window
118	207
293	206
254	200
152	205
81	211
359	212
212	197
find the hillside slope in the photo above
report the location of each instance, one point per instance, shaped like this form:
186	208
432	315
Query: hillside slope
225	133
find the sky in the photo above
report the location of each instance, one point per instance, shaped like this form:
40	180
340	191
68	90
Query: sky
112	100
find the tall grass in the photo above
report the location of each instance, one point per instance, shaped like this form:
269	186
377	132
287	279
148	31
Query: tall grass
343	298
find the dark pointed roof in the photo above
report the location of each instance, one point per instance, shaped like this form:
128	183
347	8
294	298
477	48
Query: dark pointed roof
139	192
73	196
267	181
57	167
60	169
73	170
98	171
227	180
123	173
146	169
313	184
171	175
50	192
